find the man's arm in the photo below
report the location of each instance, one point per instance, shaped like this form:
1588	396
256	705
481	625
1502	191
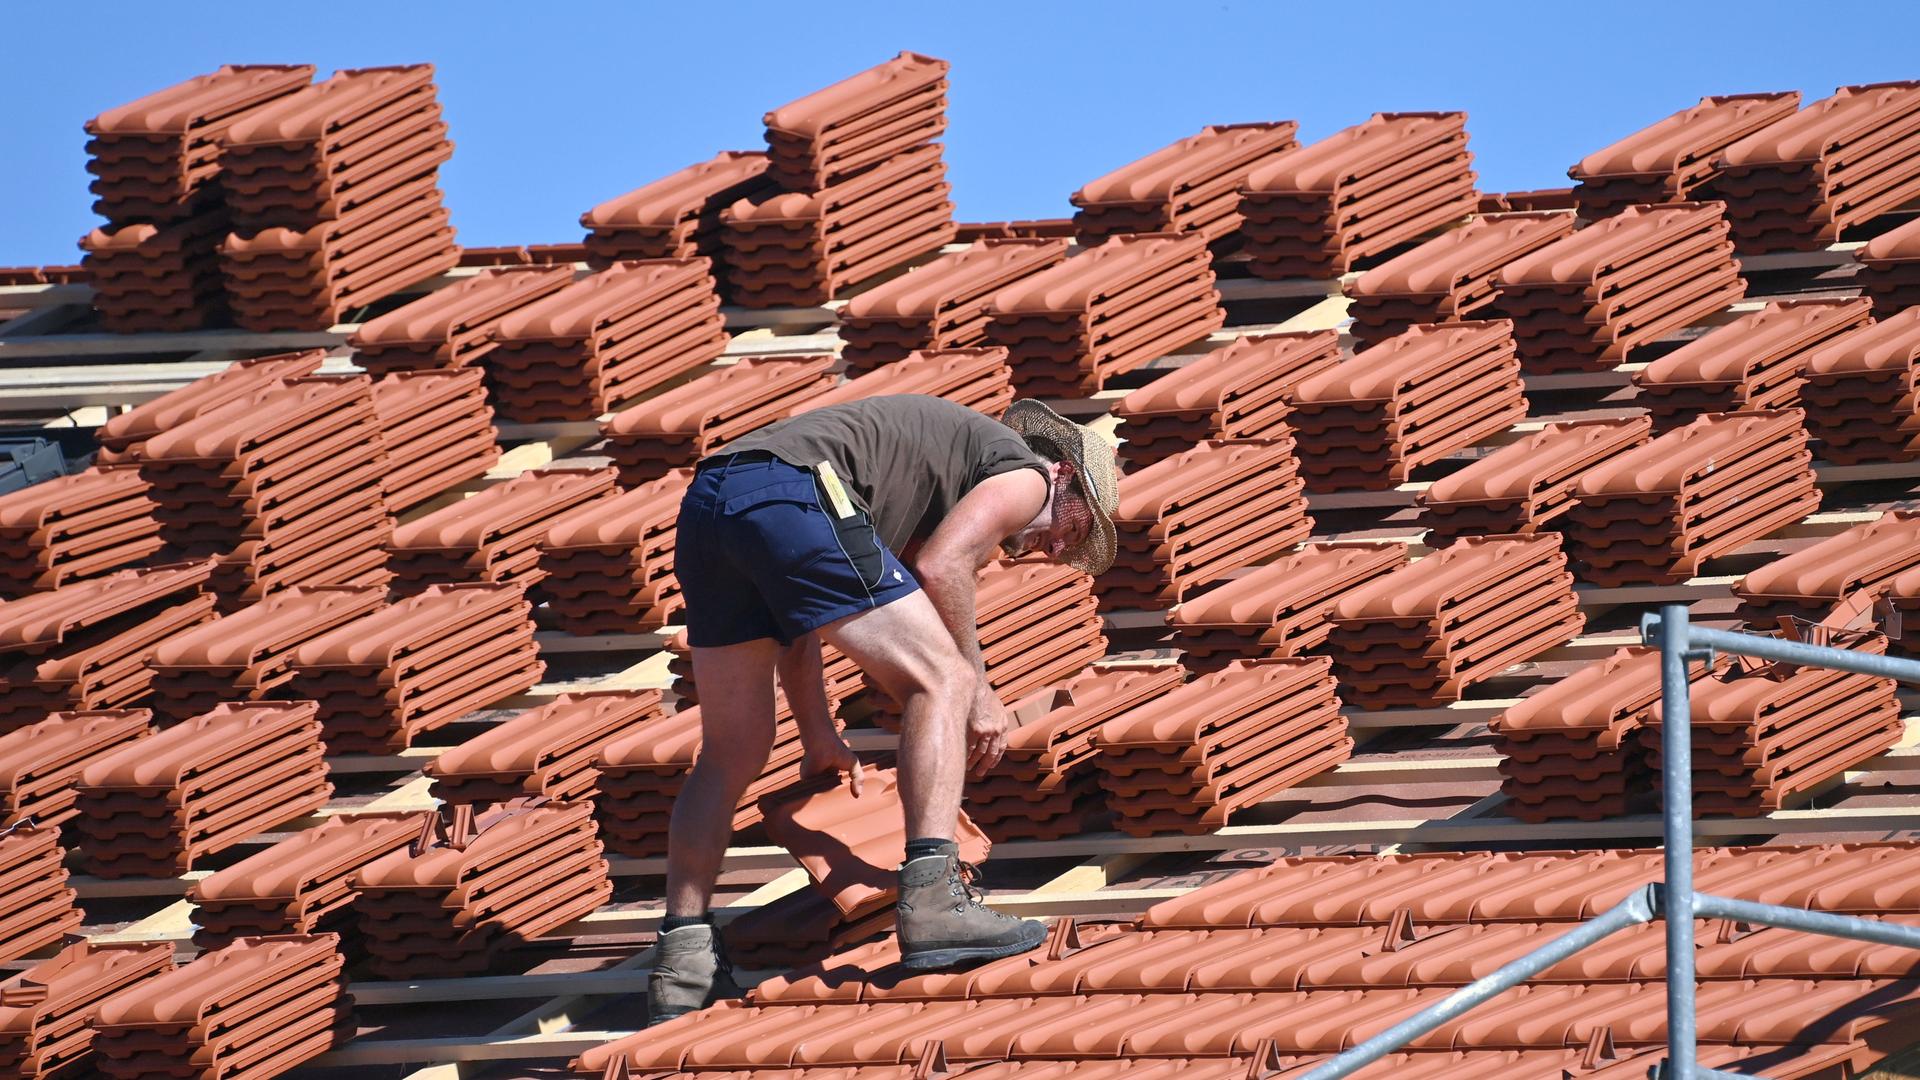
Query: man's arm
803	681
948	565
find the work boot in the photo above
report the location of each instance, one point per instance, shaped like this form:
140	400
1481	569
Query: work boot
942	922
689	973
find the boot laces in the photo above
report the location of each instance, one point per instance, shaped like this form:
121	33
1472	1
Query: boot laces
971	881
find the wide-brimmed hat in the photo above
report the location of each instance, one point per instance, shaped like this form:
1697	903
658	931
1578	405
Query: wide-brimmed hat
1095	467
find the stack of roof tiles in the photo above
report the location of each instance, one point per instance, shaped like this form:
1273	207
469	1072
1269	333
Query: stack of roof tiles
1317	210
1585	301
1890	269
1755	362
1765	735
1669	160
452	327
40	764
283	484
1187	521
493	880
1420	636
335	198
1188	760
1862	393
301	885
677	428
1283	608
852	846
438	432
641	774
1450	276
123	438
85	646
550	750
978	378
75	527
864	187
1525	486
258	1007
36	907
605	339
1135	298
608	565
1046	786
1367	424
155	806
248	655
493	536
155	265
1799	183
941	305
1037	623
1808	583
799	928
1190	186
678	215
1242	390
1652	515
1572	750
1271	972
418	664
46	1011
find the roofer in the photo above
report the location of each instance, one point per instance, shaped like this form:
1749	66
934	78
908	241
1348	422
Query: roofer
788	538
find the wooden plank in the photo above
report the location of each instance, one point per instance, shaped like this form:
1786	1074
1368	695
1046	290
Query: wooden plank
372	1052
171	923
559	641
187	341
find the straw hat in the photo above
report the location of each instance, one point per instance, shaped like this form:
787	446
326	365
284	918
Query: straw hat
1095	466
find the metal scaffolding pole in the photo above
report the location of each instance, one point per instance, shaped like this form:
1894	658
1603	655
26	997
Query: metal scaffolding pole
1676	749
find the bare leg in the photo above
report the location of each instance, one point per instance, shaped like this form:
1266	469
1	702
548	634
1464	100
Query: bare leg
736	723
906	647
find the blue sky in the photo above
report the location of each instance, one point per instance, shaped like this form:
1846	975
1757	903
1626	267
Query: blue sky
556	106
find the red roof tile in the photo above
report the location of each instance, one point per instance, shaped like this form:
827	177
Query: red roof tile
512	873
978	378
300	885
1525	485
1412	400
155	806
40	763
1810	581
605	339
675	429
943	304
494	536
1281	608
678	215
1316	210
549	750
45	1011
292	987
1859	392
1449	276
1798	183
852	847
1754	362
1189	520
1110	309
1242	390
74	527
124	434
1667	160
1192	185
1654	513
609	563
452	327
248	655
835	131
437	430
1585	301
36	906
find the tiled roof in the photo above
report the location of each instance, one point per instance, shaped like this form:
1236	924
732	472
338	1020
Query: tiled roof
1376	424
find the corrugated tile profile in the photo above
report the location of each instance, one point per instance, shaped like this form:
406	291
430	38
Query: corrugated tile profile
1808	583
676	428
122	437
46	1011
1281	608
495	535
74	527
1754	362
943	304
1860	392
1242	390
978	378
678	215
1317	210
1449	276
549	750
438	432
609	563
301	885
452	327
248	655
1671	158
1192	185
41	764
1526	485
37	908
1890	269
855	124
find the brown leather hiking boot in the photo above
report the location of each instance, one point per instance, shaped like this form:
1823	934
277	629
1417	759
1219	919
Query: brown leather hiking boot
689	973
943	923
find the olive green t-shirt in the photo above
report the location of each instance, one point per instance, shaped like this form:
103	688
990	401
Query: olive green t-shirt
907	459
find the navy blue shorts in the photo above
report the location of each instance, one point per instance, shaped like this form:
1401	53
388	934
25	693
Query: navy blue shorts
759	555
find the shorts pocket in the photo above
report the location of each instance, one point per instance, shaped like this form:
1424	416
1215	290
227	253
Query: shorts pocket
862	548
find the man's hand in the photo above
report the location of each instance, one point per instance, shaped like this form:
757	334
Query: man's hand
988	726
833	757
